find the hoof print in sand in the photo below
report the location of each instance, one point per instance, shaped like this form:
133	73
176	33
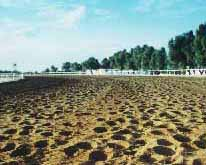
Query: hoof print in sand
164	142
181	138
24	132
100	129
147	158
3	138
118	137
84	145
187	148
65	133
124	131
71	151
197	162
200	144
161	150
97	156
184	129
47	134
121	120
100	119
59	142
41	144
22	150
10	131
139	143
111	123
115	146
156	132
8	147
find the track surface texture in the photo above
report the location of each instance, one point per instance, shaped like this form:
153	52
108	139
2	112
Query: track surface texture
103	120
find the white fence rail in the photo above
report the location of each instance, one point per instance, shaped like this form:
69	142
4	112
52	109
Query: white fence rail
183	72
116	72
55	74
7	77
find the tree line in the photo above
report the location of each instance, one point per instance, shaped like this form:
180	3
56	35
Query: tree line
145	57
187	50
8	71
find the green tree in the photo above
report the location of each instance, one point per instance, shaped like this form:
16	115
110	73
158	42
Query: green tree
146	56
200	46
112	62
162	59
66	67
120	59
105	63
47	70
54	69
177	56
76	66
137	54
188	49
154	60
181	50
91	63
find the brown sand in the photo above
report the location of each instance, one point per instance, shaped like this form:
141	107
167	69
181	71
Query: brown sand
88	120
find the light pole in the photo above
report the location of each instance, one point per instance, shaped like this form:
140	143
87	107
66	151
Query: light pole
14	67
14	70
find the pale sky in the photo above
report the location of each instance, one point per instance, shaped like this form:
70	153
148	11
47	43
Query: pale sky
37	33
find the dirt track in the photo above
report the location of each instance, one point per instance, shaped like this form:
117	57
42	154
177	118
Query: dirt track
102	120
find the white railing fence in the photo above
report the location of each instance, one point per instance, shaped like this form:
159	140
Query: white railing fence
7	77
116	72
183	72
52	74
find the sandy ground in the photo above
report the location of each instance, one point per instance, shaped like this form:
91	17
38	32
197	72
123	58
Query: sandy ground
88	120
